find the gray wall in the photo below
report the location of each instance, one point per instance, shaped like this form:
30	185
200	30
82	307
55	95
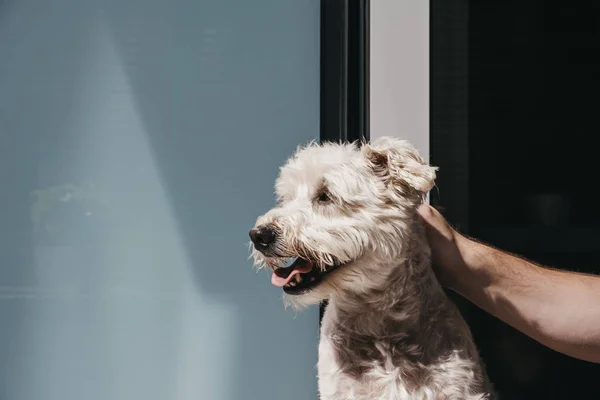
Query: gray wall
169	118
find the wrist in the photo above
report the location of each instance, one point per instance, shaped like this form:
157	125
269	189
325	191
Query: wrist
476	258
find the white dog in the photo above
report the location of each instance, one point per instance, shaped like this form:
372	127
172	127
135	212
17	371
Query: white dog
347	215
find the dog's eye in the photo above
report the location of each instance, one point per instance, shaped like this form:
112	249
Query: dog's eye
323	197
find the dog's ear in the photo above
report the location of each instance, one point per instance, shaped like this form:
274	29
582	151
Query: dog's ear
399	163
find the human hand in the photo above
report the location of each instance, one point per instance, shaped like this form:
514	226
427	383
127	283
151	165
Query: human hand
450	251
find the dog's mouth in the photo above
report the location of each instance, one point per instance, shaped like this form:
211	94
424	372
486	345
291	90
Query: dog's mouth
300	277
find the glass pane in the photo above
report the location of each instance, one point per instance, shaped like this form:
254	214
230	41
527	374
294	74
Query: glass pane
139	140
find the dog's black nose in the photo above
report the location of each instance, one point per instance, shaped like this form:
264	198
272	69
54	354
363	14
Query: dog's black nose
262	236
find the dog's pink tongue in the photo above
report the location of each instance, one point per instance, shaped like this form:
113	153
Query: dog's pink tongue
282	276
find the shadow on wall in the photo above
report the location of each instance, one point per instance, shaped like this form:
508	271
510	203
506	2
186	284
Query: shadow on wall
182	111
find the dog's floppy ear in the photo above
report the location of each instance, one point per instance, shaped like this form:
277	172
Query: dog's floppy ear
399	163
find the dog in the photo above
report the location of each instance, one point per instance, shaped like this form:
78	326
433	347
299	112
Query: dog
347	215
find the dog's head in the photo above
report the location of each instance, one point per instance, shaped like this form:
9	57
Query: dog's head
343	216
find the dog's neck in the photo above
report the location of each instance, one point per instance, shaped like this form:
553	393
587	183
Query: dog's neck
400	302
407	312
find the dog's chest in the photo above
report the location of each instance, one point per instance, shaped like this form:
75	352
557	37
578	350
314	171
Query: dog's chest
348	370
375	384
345	375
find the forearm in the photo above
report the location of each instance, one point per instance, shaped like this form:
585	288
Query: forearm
559	309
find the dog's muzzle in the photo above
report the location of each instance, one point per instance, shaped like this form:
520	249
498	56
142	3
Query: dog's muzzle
299	277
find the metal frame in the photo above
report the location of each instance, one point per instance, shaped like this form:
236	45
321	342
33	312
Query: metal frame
449	106
344	70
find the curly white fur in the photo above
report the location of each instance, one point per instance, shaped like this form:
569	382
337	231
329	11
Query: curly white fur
389	331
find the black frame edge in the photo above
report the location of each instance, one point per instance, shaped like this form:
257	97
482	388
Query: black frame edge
449	106
344	70
344	94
